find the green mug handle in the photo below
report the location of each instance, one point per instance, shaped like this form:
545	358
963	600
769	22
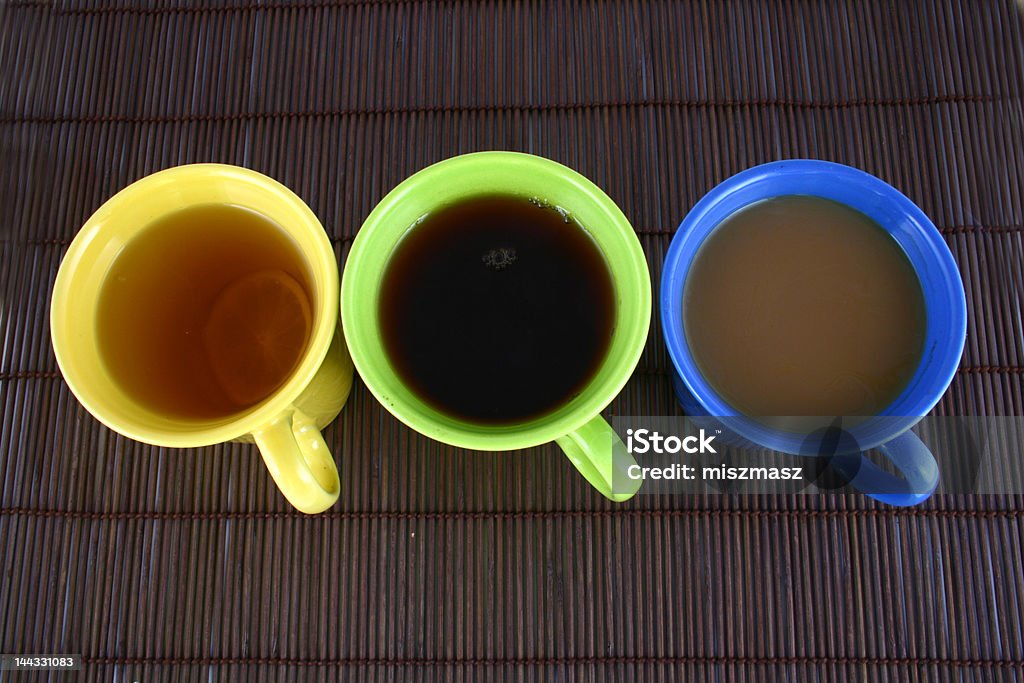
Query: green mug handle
603	460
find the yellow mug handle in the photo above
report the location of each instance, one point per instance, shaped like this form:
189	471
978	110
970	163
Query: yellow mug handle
299	461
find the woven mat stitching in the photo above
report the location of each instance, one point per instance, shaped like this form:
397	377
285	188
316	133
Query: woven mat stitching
8	118
206	9
513	515
15	375
343	239
565	661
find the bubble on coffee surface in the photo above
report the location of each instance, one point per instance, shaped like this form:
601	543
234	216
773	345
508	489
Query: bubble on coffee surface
540	203
499	258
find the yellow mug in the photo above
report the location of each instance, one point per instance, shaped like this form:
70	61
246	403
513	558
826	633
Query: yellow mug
286	425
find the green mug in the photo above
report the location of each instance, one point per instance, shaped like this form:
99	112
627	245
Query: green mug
577	426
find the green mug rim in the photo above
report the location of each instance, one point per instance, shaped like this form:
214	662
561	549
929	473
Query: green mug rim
361	284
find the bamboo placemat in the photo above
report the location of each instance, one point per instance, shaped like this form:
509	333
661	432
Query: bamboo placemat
439	564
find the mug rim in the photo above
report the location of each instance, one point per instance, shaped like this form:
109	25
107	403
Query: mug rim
692	232
463	433
321	259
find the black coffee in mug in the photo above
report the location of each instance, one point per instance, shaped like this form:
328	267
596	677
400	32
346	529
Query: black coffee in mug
497	309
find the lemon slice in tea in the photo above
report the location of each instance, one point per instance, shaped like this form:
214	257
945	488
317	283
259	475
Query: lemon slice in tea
257	331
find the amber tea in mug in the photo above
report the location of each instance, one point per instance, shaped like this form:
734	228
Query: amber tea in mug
205	313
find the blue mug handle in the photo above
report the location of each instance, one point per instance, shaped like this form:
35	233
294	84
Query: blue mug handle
913	459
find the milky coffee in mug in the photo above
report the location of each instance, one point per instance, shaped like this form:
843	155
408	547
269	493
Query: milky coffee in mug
801	306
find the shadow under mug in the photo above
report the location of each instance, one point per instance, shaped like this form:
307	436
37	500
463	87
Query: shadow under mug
945	331
577	426
286	425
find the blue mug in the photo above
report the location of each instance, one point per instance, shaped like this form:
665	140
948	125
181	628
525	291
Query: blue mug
945	333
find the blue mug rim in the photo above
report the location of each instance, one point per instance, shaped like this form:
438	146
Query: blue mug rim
936	369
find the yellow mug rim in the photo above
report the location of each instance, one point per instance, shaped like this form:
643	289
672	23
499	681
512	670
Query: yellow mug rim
322	261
